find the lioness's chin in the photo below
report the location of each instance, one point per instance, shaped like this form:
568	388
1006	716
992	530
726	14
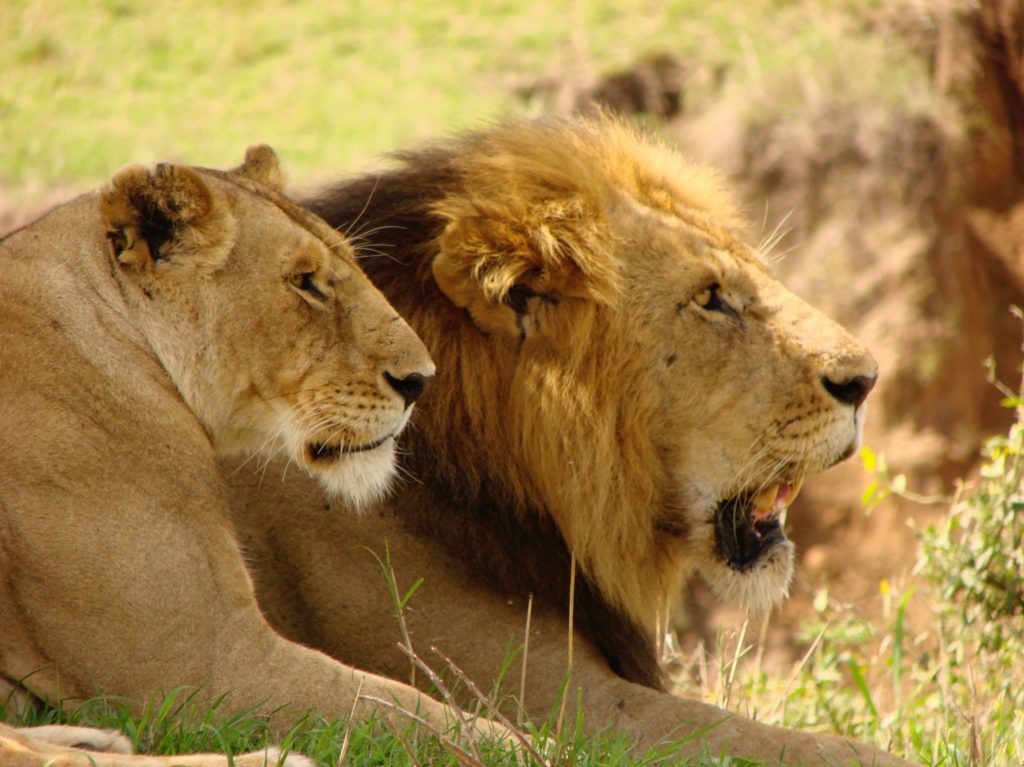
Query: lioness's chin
360	478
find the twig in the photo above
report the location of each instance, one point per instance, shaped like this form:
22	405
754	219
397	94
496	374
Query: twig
521	713
416	662
762	640
977	748
467	730
459	753
401	739
398	601
463	756
348	727
738	652
784	697
568	674
495	713
702	669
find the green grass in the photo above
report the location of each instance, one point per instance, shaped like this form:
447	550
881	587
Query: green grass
920	689
175	724
90	85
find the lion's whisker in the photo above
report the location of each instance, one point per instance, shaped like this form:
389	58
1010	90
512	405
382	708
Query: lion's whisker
366	205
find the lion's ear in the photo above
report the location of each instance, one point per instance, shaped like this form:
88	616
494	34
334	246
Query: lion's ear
492	264
261	165
169	214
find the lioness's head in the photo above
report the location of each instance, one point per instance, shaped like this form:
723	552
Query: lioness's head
614	358
273	336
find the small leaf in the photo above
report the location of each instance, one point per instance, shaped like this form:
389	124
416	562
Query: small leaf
862	684
899	484
821	600
869	494
409	594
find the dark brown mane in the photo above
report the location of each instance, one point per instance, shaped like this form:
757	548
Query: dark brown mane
391	220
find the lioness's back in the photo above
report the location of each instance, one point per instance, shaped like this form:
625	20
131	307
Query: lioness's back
66	332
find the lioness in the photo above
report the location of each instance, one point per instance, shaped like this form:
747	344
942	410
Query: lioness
179	314
620	378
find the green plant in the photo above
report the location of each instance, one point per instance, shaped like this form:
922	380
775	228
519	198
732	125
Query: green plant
975	557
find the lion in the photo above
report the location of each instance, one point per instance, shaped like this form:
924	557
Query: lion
146	328
624	394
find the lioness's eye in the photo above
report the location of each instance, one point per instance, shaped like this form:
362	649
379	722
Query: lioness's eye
305	282
710	300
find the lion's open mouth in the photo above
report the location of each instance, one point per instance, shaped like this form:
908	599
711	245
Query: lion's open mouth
320	452
749	524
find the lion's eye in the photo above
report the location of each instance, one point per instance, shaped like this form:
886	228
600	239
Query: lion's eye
306	282
710	300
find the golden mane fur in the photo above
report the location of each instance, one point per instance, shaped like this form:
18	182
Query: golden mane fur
535	209
558	271
557	221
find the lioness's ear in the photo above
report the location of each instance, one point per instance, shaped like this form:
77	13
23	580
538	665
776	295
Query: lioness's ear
492	264
261	165
167	214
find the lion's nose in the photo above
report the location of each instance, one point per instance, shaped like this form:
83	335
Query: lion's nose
410	387
851	391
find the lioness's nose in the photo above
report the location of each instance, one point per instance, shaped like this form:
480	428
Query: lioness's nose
851	391
410	387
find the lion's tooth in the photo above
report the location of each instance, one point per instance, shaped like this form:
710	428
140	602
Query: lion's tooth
764	502
787	494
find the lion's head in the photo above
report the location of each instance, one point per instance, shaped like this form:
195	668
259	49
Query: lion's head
274	337
612	357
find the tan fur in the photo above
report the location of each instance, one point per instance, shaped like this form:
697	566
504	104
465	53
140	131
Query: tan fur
58	746
585	402
179	314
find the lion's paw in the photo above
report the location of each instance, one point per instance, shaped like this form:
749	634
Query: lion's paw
88	738
272	758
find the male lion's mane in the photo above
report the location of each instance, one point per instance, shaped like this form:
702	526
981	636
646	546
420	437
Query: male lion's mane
502	527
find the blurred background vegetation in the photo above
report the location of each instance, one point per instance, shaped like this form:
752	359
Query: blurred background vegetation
878	144
90	85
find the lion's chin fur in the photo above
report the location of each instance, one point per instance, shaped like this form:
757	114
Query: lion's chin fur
758	590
